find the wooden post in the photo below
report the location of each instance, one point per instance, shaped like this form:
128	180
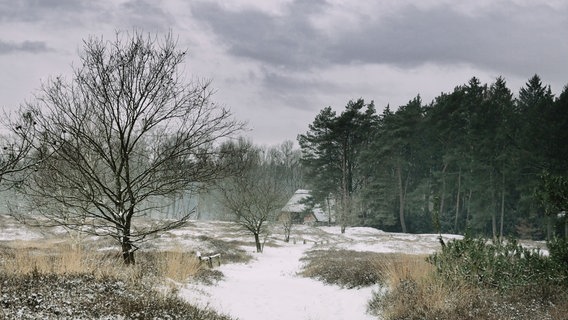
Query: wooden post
209	259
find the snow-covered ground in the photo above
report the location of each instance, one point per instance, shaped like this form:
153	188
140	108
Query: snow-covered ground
270	288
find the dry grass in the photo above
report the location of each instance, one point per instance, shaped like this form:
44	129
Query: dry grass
411	281
63	257
54	257
65	280
177	265
346	268
395	268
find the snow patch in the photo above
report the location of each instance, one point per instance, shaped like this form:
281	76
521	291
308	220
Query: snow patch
269	288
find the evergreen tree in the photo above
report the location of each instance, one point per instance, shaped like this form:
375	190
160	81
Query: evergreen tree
331	152
534	107
395	150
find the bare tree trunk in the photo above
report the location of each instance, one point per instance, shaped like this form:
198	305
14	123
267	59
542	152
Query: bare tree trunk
443	193
345	210
549	219
458	203
502	206
127	247
257	242
467	212
401	197
287	224
328	207
493	208
566	226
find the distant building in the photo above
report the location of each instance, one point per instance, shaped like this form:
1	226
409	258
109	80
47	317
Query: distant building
299	210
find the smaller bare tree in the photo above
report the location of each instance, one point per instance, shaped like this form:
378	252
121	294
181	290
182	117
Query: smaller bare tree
253	194
287	223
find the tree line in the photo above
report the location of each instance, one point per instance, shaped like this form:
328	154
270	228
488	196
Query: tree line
473	160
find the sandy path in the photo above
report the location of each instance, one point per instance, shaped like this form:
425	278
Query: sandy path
268	288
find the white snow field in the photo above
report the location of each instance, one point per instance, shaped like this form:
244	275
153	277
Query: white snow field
269	287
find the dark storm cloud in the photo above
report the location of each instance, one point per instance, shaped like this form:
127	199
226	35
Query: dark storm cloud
510	38
25	46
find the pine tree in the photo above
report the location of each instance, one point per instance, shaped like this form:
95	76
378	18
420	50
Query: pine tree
331	152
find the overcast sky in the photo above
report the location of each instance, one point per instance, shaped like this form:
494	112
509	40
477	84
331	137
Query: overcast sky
277	63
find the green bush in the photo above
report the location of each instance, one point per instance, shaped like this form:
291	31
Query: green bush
475	279
558	250
503	266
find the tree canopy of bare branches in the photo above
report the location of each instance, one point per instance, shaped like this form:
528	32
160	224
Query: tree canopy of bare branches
125	133
256	191
15	145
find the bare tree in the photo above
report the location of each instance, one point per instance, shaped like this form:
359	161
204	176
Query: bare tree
15	147
125	133
287	223
285	159
284	162
255	193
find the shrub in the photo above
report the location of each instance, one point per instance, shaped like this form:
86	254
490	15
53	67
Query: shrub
474	279
558	250
345	268
177	265
231	251
413	292
502	266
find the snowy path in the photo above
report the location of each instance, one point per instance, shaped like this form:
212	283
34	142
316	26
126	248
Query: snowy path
268	288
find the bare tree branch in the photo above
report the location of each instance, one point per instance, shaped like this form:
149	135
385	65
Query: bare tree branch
255	190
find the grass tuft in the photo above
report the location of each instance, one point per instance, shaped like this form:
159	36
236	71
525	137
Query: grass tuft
350	269
413	290
178	265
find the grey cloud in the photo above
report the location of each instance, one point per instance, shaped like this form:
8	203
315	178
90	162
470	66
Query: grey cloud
292	90
505	38
33	10
146	15
275	40
25	46
511	40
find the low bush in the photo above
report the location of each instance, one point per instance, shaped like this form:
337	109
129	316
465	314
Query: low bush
413	292
558	250
345	268
474	279
502	266
177	265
